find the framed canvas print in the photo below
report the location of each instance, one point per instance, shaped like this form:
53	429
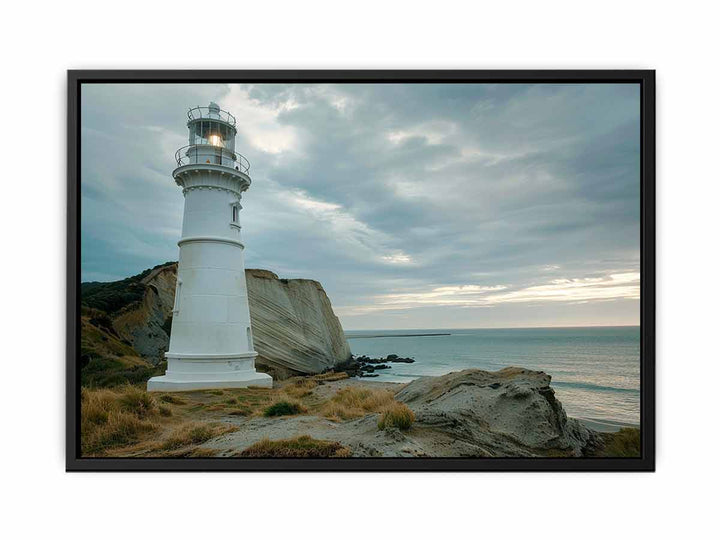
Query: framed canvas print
360	270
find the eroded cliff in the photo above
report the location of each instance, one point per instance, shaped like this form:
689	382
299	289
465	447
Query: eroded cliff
295	330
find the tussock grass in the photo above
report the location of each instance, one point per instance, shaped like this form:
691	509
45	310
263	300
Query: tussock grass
397	415
112	418
284	408
356	401
136	401
169	398
300	388
194	433
165	411
624	443
298	447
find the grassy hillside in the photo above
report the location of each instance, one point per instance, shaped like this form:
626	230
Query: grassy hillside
105	360
113	296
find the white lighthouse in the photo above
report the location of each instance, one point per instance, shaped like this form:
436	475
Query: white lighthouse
211	342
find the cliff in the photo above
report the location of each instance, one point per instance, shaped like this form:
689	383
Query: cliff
295	330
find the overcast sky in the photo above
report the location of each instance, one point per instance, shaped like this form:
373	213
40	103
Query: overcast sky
415	206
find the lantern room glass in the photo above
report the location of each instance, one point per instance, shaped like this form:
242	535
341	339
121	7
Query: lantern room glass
213	133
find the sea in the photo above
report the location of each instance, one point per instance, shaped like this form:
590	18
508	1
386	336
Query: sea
595	370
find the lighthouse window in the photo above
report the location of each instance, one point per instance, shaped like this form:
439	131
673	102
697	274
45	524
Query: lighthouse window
235	214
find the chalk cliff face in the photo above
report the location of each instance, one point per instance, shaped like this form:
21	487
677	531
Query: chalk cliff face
294	328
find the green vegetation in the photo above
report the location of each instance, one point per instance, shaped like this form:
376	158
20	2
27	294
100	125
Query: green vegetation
299	447
113	296
397	415
284	408
106	360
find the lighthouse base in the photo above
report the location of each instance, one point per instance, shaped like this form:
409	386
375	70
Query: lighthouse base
194	372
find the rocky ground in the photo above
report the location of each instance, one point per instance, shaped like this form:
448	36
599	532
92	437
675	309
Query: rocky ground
512	412
473	413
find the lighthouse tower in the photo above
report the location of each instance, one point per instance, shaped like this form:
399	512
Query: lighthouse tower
211	343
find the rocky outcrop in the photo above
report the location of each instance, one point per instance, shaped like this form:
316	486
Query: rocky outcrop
294	328
511	412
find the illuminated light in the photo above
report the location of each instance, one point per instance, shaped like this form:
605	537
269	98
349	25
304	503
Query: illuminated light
215	140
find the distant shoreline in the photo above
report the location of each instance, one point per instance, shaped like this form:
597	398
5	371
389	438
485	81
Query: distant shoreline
396	335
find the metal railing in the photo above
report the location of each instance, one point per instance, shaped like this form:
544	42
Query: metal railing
193	154
210	113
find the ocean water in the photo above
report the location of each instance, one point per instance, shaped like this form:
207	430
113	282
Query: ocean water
595	371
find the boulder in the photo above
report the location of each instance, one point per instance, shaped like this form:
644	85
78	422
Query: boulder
511	412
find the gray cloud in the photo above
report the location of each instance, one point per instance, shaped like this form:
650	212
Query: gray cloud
390	195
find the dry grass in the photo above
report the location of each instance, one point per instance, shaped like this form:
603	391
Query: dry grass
112	418
300	387
356	401
194	433
165	411
397	415
169	398
298	447
331	376
624	443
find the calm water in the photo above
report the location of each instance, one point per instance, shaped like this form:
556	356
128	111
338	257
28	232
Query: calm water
595	371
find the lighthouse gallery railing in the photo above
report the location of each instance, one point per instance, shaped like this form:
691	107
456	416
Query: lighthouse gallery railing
193	154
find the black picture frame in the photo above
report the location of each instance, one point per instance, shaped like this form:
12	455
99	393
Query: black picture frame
646	79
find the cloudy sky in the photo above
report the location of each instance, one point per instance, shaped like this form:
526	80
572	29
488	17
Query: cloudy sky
416	206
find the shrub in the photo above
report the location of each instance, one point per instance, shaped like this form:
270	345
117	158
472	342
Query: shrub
284	408
397	415
299	447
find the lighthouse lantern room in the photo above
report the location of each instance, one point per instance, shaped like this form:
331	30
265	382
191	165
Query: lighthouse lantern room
211	343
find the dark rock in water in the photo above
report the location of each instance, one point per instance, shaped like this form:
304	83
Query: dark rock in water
357	365
364	375
512	412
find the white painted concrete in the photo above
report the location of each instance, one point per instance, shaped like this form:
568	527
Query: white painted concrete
211	335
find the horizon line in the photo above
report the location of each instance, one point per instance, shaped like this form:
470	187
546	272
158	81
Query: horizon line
494	328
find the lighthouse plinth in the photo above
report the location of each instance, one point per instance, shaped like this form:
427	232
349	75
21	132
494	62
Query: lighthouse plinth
211	342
